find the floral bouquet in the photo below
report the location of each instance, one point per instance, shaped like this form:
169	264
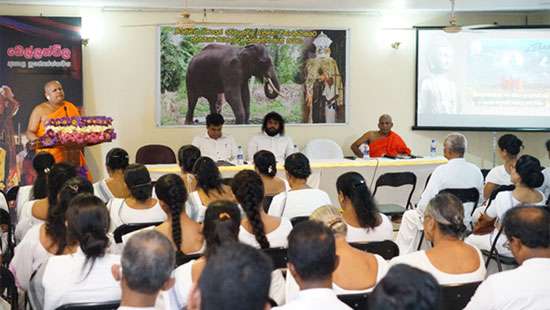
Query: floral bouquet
86	130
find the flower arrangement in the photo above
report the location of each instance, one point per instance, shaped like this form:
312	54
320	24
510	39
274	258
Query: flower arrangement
86	130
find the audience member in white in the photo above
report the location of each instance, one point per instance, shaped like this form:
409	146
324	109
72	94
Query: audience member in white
266	166
545	188
84	275
236	277
301	200
187	156
45	240
214	143
364	222
258	229
272	138
404	288
42	163
357	271
508	149
311	261
526	287
139	206
184	233
114	186
526	176
457	173
450	260
36	211
221	226
145	269
209	188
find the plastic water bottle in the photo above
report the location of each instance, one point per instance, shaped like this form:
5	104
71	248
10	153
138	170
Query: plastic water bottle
240	156
433	148
366	151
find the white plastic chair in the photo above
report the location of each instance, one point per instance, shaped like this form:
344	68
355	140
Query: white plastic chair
323	149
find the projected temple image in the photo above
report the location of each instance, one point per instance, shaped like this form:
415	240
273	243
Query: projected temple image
484	78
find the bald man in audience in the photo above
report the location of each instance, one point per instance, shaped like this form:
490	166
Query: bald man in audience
147	263
383	142
526	287
457	173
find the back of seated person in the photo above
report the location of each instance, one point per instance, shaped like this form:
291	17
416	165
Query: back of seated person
139	207
145	269
116	161
86	274
509	147
236	277
209	188
42	164
301	200
357	271
265	165
187	156
405	288
50	238
258	229
185	233
450	260
365	222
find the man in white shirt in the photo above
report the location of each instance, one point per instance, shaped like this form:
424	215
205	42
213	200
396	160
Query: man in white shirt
214	143
237	276
311	261
146	267
272	138
457	173
526	287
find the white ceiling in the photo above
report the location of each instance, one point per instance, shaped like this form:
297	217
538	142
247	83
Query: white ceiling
306	5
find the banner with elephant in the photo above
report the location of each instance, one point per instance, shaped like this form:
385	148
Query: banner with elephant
244	73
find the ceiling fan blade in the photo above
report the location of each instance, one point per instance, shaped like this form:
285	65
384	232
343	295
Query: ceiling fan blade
480	26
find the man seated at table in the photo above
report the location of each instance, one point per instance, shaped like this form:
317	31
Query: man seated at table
214	143
272	138
382	142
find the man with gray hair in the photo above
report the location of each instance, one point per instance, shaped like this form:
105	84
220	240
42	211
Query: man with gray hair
147	263
456	173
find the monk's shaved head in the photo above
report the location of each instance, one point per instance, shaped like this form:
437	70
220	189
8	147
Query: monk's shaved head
385	117
385	124
50	83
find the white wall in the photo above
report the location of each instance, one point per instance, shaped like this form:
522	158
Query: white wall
120	77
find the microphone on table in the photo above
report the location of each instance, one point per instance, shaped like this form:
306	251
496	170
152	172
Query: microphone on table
66	113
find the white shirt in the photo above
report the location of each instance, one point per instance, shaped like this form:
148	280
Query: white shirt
3	203
382	232
545	188
29	255
102	191
315	299
525	287
26	221
300	202
223	148
457	173
505	201
176	297
280	146
99	284
498	175
276	238
421	261
121	213
194	207
23	196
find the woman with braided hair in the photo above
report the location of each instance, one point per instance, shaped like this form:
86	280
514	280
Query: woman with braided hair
185	233
365	223
258	229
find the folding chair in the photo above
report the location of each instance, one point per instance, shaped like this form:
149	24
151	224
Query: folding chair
395	179
485	172
456	297
387	248
128	228
106	305
278	257
355	301
493	254
153	154
298	219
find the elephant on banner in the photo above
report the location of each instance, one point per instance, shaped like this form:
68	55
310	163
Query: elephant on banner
219	71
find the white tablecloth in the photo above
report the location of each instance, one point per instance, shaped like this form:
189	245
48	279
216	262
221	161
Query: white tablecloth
325	173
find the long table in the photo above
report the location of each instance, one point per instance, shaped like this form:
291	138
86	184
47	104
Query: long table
325	173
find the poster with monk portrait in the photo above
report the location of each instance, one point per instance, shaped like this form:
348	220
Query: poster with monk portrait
33	51
245	73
